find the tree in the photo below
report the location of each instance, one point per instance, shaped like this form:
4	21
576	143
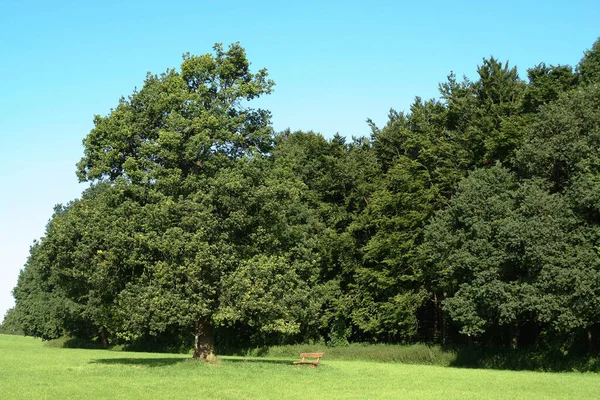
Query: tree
546	83
183	126
42	309
10	323
421	163
589	66
562	145
508	253
189	141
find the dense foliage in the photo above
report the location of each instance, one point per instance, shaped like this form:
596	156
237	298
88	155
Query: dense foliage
472	218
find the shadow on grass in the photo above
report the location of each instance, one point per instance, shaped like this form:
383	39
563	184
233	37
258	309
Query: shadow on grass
255	361
524	360
163	362
142	362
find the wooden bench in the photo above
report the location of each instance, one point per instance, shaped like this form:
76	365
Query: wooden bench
304	360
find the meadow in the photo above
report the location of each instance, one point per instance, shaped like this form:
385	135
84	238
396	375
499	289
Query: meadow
31	370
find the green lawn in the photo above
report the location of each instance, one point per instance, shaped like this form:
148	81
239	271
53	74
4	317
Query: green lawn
30	370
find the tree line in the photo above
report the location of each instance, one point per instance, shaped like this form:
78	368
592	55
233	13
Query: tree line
472	218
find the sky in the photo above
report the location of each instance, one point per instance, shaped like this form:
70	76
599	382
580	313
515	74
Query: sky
335	64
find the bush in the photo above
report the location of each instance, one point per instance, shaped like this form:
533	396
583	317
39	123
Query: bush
533	359
73	343
407	354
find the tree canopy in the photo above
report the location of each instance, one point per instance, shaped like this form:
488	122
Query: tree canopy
474	217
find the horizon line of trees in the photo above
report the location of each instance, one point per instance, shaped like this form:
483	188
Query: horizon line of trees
472	218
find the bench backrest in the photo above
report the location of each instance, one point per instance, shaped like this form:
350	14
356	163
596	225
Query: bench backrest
311	355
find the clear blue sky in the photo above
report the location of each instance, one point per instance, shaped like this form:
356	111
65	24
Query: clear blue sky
335	63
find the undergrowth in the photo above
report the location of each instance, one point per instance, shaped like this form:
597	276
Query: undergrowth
406	354
532	359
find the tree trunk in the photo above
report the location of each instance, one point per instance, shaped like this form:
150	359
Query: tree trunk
514	341
590	338
103	339
436	330
444	324
203	340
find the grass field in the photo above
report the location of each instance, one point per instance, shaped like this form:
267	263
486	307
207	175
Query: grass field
30	370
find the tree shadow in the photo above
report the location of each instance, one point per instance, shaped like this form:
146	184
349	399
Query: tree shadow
163	362
524	360
142	362
256	361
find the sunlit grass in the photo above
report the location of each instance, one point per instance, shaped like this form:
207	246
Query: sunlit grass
30	370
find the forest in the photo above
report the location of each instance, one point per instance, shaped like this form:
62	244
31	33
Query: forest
471	219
